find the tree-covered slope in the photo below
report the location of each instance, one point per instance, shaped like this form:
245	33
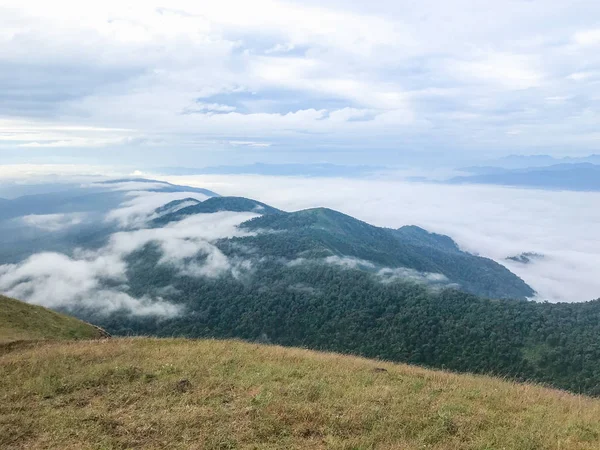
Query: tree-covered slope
20	321
321	232
182	394
330	307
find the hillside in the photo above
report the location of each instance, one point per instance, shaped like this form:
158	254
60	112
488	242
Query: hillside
212	205
172	393
20	321
324	232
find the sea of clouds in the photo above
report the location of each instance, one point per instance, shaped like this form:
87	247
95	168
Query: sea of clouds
492	221
96	280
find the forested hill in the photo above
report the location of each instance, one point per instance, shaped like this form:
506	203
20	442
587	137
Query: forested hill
212	205
348	310
324	232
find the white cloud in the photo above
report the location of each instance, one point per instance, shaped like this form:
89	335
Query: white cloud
495	222
587	37
580	76
348	262
385	274
509	71
41	134
53	222
57	280
290	72
43	173
78	142
140	208
184	238
388	275
249	144
130	186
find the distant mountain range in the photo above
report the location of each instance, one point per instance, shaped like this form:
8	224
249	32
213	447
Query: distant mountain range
574	177
528	161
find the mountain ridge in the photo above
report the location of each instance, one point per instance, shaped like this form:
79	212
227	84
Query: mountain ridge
323	229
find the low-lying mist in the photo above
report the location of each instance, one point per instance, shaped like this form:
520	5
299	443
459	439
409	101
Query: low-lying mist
496	222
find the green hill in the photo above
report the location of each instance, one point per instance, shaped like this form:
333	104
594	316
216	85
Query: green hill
20	321
181	394
322	232
323	280
211	205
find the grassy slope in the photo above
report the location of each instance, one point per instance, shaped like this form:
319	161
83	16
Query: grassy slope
128	393
21	321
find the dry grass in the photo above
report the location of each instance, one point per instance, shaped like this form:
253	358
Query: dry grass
152	393
22	322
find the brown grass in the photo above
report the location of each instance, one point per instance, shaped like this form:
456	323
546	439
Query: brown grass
153	393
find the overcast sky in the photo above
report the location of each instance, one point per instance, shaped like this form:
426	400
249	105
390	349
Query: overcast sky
195	83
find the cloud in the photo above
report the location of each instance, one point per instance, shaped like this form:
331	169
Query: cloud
47	134
53	222
183	239
137	211
587	37
495	222
388	275
349	262
44	173
200	107
80	281
505	70
58	281
139	185
171	83
78	142
249	144
385	274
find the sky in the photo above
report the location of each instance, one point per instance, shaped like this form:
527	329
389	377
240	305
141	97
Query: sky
194	83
